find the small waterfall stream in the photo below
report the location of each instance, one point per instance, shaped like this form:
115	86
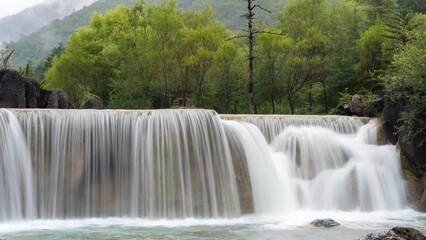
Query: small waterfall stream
169	164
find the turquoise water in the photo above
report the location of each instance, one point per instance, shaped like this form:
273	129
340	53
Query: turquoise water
291	226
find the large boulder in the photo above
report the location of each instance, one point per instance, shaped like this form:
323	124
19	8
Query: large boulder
390	116
413	155
32	92
361	106
43	99
396	233
58	99
20	92
327	222
414	168
94	102
12	90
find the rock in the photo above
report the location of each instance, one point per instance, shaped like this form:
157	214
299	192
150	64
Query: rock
32	92
2	73
12	90
415	189
413	162
20	92
411	149
390	115
346	109
52	101
43	98
357	105
63	102
58	99
396	233
378	103
327	222
94	102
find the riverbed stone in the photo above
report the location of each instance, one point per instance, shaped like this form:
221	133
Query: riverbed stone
396	233
326	222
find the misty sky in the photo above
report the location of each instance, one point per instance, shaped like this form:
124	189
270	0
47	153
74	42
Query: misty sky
9	7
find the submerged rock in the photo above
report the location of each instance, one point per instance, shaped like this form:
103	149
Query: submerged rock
396	233
327	222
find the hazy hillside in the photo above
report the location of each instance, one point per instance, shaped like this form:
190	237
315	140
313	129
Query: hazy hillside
27	21
37	45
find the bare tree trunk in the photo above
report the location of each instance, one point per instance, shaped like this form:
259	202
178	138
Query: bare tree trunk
185	88
166	92
325	97
271	86
290	101
250	14
310	98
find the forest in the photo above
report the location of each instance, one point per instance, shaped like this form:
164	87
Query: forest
316	55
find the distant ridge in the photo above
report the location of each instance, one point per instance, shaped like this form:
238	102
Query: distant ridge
30	19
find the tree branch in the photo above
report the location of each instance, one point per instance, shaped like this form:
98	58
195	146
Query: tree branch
264	9
238	36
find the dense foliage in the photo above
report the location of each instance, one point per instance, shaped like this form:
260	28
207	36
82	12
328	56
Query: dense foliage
408	84
37	45
159	56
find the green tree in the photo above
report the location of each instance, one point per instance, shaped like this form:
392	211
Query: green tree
372	55
408	84
230	76
273	51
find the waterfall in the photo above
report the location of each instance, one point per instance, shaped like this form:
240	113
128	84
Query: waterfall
59	164
153	164
272	125
320	169
16	194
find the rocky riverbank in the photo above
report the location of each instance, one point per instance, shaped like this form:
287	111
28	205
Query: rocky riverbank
21	92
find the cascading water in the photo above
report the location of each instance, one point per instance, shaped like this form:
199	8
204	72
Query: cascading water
272	125
185	164
151	164
316	168
16	194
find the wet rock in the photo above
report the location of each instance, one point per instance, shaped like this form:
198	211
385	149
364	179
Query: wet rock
415	189
396	233
94	102
327	222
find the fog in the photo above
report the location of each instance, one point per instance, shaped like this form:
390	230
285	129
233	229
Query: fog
32	18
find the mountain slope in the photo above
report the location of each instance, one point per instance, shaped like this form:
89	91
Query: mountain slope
25	22
37	45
